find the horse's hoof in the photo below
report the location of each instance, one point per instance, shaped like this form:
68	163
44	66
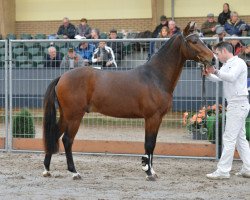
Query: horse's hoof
151	178
76	176
46	174
155	175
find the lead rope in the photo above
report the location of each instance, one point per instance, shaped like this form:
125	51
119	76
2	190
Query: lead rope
204	101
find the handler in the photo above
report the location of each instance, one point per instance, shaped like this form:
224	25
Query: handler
233	73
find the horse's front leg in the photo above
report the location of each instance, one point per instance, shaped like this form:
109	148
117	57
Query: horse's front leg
151	131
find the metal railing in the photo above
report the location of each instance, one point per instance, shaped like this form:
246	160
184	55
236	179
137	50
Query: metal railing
28	82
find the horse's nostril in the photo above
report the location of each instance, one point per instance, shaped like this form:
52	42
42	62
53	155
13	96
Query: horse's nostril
213	61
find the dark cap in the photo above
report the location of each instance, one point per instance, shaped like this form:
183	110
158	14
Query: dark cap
220	30
210	15
70	50
163	18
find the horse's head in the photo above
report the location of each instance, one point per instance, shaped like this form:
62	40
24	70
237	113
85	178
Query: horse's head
195	48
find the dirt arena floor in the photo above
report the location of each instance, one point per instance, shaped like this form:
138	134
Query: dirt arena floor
115	177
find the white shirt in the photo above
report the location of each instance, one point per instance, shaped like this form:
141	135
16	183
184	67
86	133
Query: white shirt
233	73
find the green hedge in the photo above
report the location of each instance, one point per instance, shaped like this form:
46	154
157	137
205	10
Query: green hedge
23	125
211	122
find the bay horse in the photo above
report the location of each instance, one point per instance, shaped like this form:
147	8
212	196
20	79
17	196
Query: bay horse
144	92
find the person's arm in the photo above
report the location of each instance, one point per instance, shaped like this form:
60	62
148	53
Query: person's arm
213	78
205	29
60	31
94	57
64	63
228	76
80	61
72	31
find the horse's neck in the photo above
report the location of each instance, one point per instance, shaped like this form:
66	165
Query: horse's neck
169	62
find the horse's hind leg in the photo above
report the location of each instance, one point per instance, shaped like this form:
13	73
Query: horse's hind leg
68	139
48	156
151	130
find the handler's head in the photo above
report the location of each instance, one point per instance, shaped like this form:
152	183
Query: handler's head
224	51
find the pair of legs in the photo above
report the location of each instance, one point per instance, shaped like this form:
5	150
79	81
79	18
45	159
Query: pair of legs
68	138
234	136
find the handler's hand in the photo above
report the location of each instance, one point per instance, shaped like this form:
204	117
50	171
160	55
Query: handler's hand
210	69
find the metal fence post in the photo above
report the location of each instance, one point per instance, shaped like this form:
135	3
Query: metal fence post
217	113
10	137
6	95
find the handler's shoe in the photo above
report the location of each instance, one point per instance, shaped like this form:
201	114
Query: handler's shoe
217	176
245	174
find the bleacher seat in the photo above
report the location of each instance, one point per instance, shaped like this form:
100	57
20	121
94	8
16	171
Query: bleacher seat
2	60
25	36
40	36
74	44
11	36
63	51
103	36
23	61
17	52
44	44
2	44
2	51
38	61
34	51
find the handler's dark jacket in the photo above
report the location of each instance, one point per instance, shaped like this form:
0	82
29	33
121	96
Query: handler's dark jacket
70	31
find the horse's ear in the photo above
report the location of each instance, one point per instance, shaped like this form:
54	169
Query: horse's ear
189	28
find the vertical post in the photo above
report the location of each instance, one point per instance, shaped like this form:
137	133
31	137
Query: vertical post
6	95
172	9
10	97
217	112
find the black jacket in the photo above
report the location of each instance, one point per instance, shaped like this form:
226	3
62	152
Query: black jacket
52	62
70	31
223	17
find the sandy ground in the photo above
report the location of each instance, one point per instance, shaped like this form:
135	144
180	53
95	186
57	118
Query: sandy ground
115	177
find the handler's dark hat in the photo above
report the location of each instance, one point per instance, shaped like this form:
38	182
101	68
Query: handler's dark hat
163	18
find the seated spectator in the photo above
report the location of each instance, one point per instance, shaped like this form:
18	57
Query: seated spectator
155	34
237	46
245	55
86	50
95	34
84	29
173	29
53	59
164	22
225	14
67	30
72	60
163	34
117	47
208	28
104	56
235	26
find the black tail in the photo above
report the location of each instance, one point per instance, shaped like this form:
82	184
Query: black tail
50	126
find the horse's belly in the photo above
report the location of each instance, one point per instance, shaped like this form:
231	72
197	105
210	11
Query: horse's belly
116	111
